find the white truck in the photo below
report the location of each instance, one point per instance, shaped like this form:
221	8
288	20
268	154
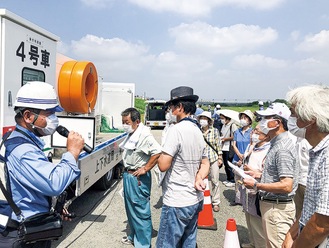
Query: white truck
155	114
28	53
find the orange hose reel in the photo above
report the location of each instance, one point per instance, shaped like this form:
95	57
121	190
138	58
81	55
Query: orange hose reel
78	86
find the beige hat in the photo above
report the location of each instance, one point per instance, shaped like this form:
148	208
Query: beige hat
206	114
248	113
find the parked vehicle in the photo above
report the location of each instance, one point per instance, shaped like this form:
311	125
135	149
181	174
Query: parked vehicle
155	113
28	53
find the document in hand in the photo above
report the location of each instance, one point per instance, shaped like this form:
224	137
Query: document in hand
237	170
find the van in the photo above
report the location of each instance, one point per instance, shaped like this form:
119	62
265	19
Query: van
155	114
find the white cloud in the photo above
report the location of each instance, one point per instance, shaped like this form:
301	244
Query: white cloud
202	37
315	43
258	61
98	4
115	59
202	7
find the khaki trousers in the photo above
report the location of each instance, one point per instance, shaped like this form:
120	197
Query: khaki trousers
256	232
214	183
299	199
277	220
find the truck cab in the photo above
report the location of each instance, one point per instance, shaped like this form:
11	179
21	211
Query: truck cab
155	114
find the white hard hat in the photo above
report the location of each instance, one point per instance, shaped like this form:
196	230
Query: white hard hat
218	106
260	103
37	95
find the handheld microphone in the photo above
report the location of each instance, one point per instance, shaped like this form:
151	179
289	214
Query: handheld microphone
64	132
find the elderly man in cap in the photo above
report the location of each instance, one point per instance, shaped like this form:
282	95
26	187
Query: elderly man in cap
310	117
277	186
186	164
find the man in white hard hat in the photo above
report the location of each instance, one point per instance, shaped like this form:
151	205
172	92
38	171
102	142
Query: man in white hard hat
33	180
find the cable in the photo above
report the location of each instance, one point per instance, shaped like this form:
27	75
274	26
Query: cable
93	207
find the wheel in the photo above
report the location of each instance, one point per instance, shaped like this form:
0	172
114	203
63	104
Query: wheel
105	181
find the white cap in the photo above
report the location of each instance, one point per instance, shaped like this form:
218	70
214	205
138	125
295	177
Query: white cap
218	106
276	108
260	103
38	95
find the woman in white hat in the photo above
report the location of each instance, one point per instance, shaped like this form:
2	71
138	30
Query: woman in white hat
214	153
241	141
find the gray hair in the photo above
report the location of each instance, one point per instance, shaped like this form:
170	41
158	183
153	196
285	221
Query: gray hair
134	114
311	103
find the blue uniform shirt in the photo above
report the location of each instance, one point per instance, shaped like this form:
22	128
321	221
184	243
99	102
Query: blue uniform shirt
33	179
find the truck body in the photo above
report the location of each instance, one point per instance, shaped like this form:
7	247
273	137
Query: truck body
29	53
155	114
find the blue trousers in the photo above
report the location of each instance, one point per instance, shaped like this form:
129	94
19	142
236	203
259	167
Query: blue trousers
178	226
137	193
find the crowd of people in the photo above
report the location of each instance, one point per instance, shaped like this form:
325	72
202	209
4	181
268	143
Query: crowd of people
282	151
283	191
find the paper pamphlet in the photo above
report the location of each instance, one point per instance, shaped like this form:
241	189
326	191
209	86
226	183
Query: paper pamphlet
239	171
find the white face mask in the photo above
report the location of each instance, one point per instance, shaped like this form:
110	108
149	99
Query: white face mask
222	121
173	118
168	117
255	138
203	123
263	125
244	123
128	128
52	124
294	129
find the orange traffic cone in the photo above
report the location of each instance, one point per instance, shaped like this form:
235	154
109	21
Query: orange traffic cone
205	218
231	235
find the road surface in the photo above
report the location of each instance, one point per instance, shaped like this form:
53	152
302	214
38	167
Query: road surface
101	220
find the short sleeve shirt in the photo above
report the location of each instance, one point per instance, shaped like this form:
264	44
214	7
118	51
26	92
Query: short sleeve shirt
280	162
317	191
185	143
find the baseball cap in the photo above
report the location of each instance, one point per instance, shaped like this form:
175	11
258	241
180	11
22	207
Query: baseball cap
276	108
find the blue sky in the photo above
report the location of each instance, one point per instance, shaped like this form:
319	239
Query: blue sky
223	49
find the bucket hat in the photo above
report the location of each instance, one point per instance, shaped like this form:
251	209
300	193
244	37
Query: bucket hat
206	114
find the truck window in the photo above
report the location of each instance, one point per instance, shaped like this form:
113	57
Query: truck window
29	74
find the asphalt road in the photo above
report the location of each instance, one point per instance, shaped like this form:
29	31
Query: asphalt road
101	220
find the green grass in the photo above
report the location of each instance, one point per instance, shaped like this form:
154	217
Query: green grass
140	105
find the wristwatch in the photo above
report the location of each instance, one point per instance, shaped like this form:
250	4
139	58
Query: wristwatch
255	185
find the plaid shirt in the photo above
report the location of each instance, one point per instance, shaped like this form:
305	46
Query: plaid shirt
212	136
317	190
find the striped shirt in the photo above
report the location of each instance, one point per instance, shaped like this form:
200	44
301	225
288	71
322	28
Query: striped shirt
212	136
280	162
317	191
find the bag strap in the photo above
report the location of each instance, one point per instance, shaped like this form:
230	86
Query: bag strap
7	195
208	143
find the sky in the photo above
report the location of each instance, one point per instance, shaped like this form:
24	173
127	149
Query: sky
226	50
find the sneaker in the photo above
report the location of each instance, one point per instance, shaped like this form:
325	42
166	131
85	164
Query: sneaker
229	184
216	208
249	245
126	241
225	182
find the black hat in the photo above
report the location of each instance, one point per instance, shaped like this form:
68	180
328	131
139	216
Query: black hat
182	93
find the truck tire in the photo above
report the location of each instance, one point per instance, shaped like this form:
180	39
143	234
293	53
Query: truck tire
105	181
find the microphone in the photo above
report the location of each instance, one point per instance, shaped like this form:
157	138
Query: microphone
64	132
